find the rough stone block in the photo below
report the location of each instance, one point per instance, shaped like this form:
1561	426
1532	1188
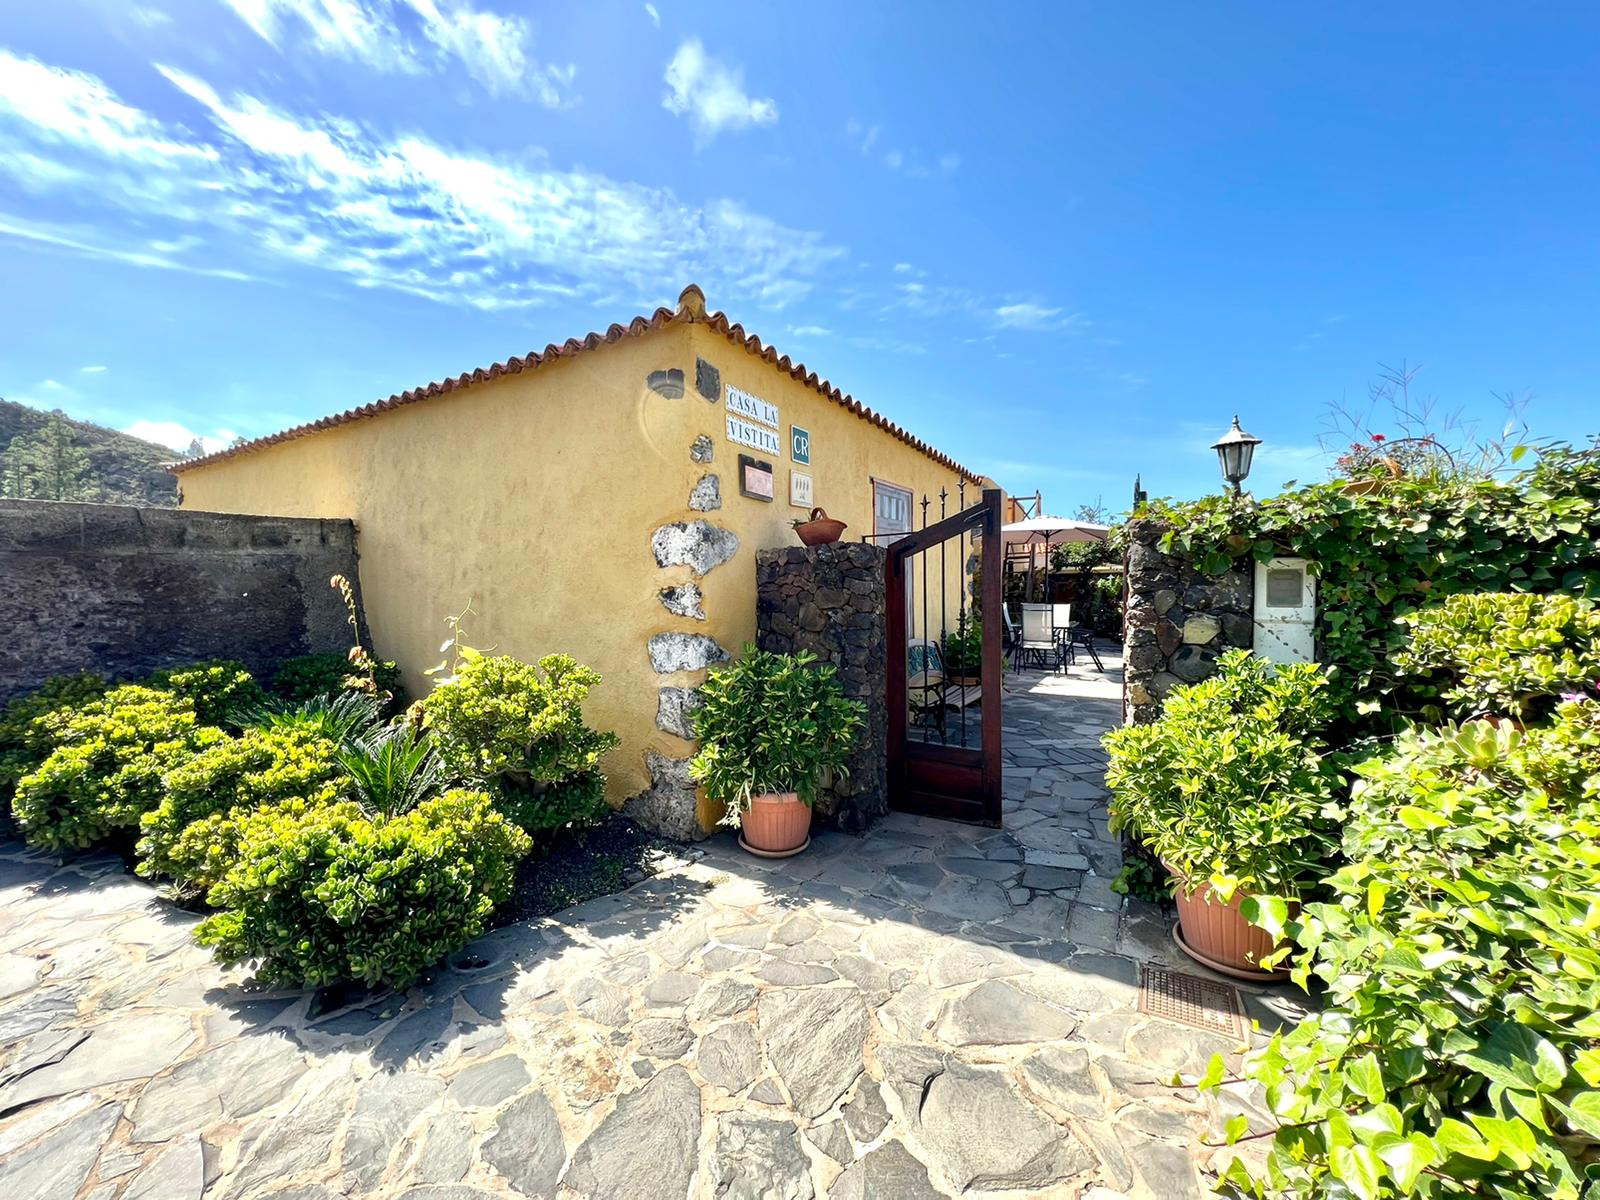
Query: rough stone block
707	381
702	450
696	544
674	710
683	601
707	494
1201	630
667	807
671	652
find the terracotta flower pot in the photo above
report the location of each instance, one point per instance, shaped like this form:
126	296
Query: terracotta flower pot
820	529
775	825
1215	933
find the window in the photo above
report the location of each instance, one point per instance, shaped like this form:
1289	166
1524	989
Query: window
891	510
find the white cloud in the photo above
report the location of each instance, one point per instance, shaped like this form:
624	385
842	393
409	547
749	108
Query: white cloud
894	160
1031	316
653	14
810	331
96	370
265	185
71	107
949	163
180	437
711	93
494	49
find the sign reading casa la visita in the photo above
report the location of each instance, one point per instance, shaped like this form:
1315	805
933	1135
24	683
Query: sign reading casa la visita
753	407
757	437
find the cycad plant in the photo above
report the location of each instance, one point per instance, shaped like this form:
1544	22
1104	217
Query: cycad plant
392	770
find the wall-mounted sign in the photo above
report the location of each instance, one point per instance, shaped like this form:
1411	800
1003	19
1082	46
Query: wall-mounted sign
753	407
799	444
755	478
757	437
800	492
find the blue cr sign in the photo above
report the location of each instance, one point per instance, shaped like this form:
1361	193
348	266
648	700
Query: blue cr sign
799	444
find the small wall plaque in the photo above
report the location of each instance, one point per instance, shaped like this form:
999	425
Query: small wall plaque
799	444
755	478
800	491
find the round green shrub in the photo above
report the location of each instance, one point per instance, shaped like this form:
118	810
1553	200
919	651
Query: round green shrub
107	766
258	767
25	741
220	691
327	895
517	728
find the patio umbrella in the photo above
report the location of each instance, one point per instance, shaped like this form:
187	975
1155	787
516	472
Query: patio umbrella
1042	531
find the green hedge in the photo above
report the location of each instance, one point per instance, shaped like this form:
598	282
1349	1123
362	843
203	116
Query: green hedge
106	769
328	894
307	676
259	767
25	741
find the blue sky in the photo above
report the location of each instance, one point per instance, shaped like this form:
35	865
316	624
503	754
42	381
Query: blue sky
1065	244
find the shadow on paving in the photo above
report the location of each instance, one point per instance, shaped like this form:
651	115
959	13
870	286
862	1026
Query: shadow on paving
925	1010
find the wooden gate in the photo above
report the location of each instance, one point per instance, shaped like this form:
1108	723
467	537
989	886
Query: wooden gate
944	725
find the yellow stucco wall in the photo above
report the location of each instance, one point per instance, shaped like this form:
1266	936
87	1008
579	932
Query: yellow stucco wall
535	496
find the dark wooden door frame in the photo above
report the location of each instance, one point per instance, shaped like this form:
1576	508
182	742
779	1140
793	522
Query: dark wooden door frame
954	782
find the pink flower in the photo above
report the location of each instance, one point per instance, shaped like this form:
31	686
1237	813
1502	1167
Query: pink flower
1377	437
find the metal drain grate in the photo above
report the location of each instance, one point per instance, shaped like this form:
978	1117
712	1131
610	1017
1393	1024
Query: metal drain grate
1190	1000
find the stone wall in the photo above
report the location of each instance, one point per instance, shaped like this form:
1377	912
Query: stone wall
1179	621
830	600
124	591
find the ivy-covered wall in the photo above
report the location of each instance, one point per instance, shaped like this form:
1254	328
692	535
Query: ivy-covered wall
1382	551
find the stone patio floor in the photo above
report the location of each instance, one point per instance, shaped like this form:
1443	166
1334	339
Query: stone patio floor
932	1010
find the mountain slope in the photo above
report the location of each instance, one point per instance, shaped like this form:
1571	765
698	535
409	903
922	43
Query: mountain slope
122	469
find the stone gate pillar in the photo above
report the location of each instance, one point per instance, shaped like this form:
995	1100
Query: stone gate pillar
830	600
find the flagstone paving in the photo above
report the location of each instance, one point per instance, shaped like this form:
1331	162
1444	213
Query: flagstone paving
931	1010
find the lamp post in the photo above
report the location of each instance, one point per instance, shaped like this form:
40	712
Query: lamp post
1235	449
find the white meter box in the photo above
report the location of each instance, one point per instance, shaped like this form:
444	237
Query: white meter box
1285	611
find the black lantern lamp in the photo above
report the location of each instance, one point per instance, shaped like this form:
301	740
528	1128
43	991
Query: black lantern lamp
1235	449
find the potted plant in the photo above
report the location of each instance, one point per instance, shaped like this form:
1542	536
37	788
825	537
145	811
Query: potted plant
819	529
769	725
963	655
1229	789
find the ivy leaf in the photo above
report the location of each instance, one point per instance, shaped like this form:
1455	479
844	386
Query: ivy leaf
1583	1112
1270	913
1405	1157
1516	1057
1366	1077
1236	1127
1511	1138
1358	1168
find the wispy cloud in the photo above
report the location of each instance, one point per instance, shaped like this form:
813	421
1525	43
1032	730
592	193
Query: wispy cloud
94	370
711	94
1036	317
261	186
864	138
651	11
415	36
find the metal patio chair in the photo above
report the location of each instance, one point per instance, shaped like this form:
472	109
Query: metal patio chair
1038	640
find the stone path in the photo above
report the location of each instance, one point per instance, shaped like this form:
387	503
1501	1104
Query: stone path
931	1010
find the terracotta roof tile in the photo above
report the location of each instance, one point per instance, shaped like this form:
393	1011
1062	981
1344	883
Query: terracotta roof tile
691	309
